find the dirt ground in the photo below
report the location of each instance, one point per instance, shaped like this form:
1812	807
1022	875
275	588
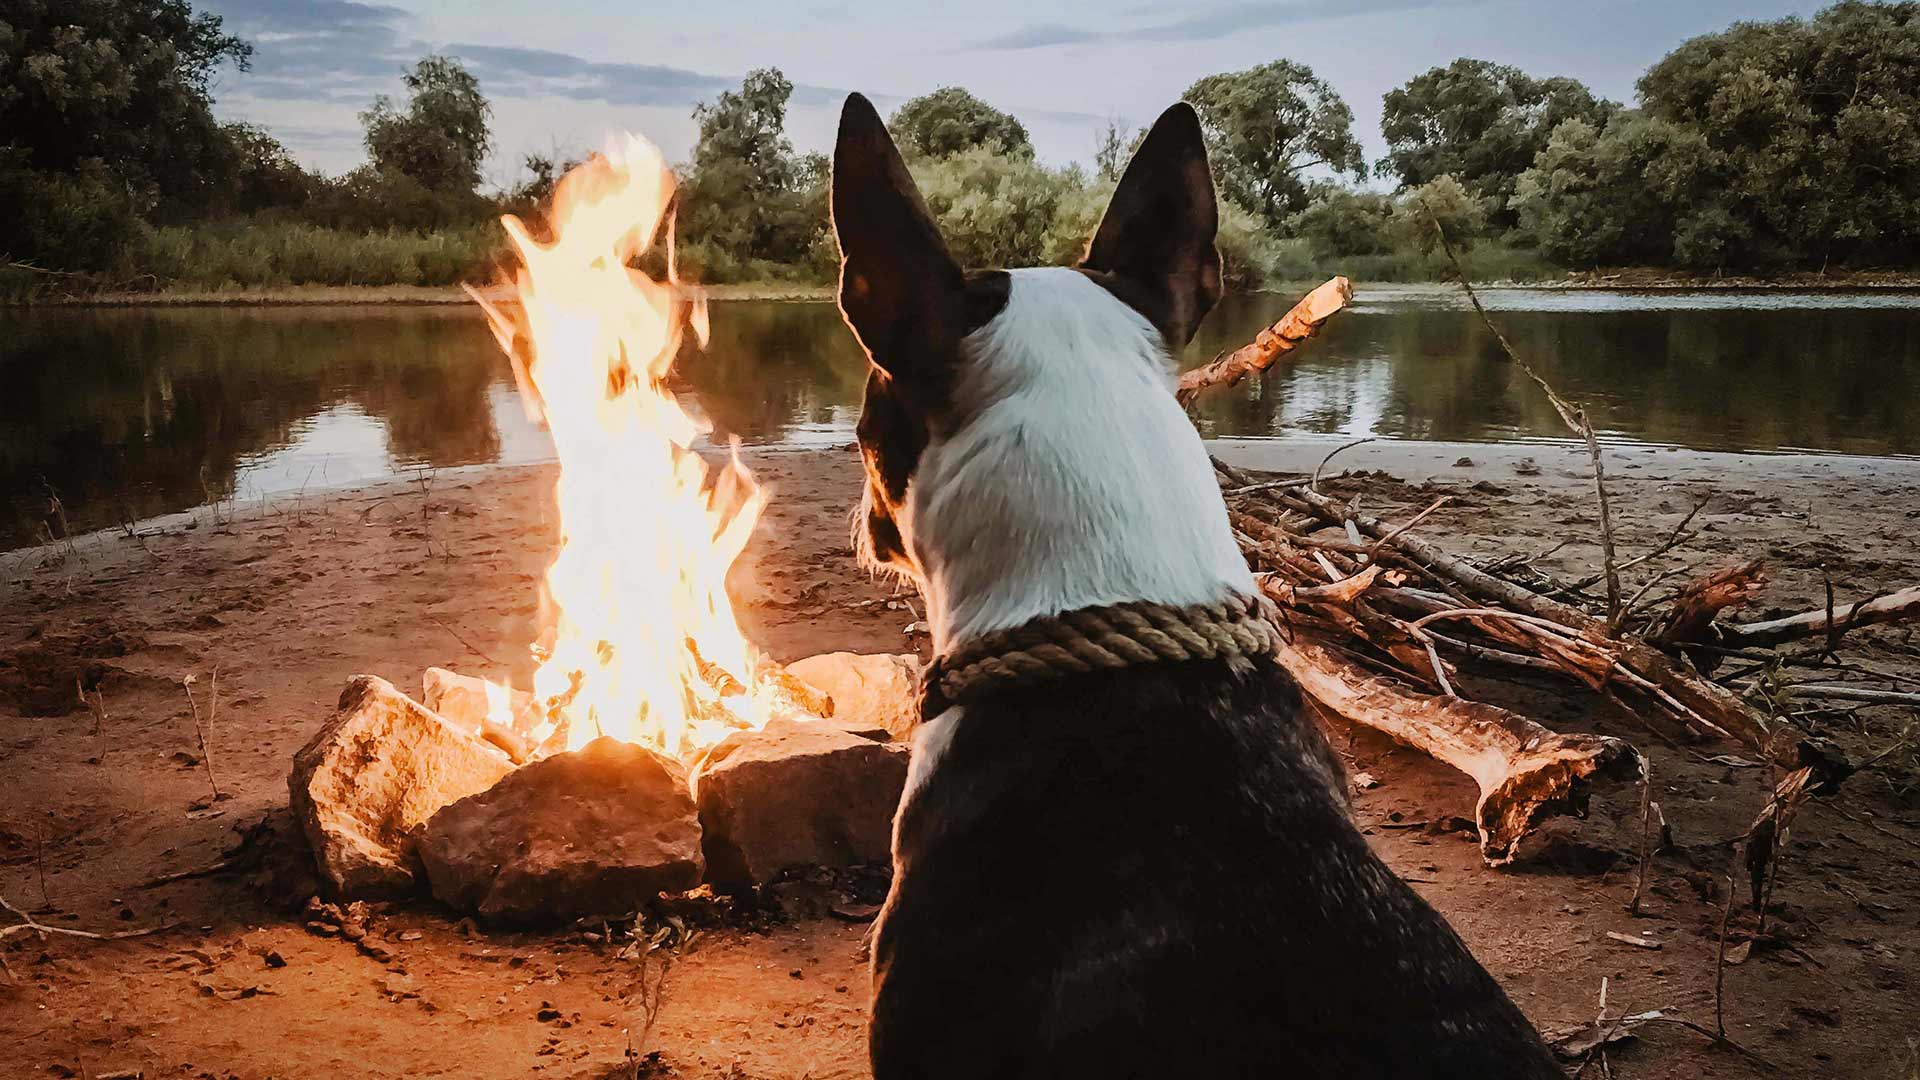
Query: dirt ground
289	600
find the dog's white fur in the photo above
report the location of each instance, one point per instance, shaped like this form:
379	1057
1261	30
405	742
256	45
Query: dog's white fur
1072	478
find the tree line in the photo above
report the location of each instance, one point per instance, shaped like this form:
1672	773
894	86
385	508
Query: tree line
1770	145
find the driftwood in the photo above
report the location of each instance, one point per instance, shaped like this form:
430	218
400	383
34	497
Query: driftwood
1384	620
1892	607
1525	772
1295	327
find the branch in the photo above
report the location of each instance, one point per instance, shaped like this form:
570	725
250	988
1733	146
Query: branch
1296	326
1892	607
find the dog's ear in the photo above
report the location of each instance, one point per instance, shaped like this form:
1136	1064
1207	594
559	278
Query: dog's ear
900	290
1154	247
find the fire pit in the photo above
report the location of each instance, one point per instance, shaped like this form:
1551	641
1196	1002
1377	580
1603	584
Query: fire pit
656	747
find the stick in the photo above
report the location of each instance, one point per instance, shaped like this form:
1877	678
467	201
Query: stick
471	647
1646	835
1525	772
32	925
1574	416
1314	480
1891	607
1855	693
1702	702
206	757
1702	600
1296	326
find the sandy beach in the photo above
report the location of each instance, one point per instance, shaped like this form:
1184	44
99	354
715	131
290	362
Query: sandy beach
288	599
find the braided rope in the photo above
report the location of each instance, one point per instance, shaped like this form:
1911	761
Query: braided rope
1098	639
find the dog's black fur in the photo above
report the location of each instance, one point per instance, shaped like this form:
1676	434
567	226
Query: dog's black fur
1153	874
1149	873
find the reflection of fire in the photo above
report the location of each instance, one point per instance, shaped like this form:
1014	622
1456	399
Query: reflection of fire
644	646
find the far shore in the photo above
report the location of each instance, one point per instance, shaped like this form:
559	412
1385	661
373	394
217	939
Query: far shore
1613	280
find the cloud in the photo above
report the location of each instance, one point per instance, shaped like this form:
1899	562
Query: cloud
1217	22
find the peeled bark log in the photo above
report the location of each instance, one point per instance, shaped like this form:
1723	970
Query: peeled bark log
1892	607
1525	772
1299	324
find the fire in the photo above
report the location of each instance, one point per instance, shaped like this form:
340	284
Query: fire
644	644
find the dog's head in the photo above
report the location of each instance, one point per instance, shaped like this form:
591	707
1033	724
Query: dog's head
1036	373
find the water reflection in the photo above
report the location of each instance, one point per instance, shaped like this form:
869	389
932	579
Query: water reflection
129	413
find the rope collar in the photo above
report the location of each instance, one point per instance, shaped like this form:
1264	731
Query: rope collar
1107	638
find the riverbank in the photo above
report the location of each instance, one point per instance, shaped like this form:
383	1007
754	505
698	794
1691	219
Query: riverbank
1626	280
290	597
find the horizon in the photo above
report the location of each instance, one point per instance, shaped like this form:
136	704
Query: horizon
563	86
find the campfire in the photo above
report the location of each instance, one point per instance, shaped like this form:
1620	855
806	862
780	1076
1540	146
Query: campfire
656	747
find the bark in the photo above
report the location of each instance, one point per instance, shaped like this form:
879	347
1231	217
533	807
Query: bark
1525	772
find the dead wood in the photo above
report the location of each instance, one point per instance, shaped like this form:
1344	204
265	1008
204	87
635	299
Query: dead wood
1525	772
1892	607
1299	324
1703	705
1701	600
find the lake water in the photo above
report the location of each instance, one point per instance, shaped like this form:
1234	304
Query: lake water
128	413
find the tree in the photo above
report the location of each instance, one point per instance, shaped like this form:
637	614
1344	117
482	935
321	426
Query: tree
1618	196
1443	200
747	198
442	138
1268	125
1481	123
951	121
1113	148
1816	125
114	89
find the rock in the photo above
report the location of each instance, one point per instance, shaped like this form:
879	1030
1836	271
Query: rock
372	776
871	692
799	793
591	831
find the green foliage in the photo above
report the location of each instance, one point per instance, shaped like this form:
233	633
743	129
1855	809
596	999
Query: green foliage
113	92
952	121
1481	123
259	174
255	253
1813	128
1341	221
1447	201
79	220
1266	126
1002	211
441	138
1616	196
748	201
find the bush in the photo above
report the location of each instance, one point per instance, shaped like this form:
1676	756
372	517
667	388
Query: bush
996	210
1340	221
77	222
1441	199
254	254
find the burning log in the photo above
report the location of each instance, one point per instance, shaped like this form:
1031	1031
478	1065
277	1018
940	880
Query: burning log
1525	772
1294	328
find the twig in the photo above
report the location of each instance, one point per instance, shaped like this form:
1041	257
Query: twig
1855	693
1314	481
1720	969
1646	833
1574	416
471	647
30	924
1374	550
200	731
1675	539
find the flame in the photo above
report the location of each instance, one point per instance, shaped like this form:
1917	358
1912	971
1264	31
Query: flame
644	645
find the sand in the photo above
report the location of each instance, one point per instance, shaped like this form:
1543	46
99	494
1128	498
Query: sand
291	599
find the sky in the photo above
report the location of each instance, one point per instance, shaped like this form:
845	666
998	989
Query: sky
563	76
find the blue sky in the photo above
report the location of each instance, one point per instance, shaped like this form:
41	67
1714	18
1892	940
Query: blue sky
563	75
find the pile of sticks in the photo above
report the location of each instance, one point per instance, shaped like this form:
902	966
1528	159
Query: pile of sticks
1383	620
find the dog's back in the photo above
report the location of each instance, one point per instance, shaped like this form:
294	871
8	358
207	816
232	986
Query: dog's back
1147	872
1153	874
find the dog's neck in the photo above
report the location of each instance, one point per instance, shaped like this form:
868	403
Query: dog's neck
1070	477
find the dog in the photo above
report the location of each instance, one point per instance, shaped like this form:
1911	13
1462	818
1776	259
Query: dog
1149	872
